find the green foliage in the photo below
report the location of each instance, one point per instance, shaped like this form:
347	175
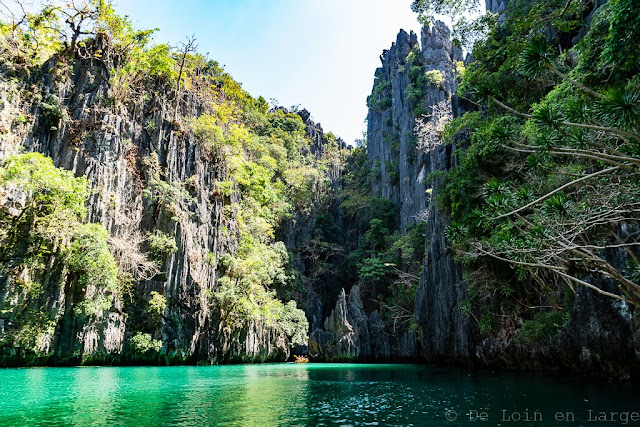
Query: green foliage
272	173
160	245
88	255
159	62
54	207
434	77
428	9
538	133
49	223
169	196
144	347
373	270
294	323
375	237
620	108
48	187
410	246
485	325
34	333
466	308
543	329
53	114
535	58
393	171
243	296
157	304
620	50
383	260
302	183
462	126
418	78
207	130
32	41
134	62
380	98
218	134
94	306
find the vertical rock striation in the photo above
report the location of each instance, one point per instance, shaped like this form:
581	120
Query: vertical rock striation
400	165
112	152
446	334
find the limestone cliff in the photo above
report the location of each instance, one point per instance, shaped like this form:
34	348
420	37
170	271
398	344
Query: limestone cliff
148	173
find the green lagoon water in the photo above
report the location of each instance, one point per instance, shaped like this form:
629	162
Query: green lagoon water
304	394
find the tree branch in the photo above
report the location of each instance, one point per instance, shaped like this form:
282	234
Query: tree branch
511	110
557	190
563	76
590	286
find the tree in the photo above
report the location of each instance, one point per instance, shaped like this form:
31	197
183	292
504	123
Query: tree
427	9
80	16
468	24
556	158
185	49
42	205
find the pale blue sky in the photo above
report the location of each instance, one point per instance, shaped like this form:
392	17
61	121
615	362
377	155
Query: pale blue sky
320	54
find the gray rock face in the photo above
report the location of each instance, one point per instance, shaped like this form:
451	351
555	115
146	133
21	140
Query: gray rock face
602	334
600	338
392	149
385	142
256	343
496	6
447	334
350	334
316	134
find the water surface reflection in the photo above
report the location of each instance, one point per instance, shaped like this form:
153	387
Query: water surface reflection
290	394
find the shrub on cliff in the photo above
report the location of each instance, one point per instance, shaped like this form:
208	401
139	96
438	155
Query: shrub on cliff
41	205
144	347
42	210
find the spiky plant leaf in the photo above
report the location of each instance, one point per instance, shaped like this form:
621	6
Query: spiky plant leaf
500	133
535	58
547	116
556	205
456	231
578	138
621	109
549	140
483	89
577	111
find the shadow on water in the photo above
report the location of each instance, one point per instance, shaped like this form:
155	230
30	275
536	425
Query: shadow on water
305	394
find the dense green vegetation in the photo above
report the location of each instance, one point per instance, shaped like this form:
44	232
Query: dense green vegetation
43	219
380	98
546	194
368	249
418	79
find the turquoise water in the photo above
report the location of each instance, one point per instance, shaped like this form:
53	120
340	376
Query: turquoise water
304	394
